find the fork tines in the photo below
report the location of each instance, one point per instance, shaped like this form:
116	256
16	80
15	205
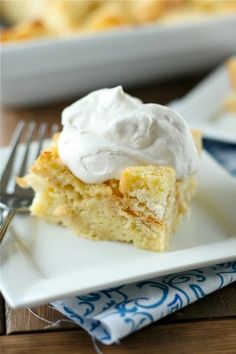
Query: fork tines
17	164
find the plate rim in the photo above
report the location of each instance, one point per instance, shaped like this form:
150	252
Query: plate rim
41	300
209	131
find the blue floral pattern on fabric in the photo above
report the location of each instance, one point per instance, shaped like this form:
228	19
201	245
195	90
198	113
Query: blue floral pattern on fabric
114	313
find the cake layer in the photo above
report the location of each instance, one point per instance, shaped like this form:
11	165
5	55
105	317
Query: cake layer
143	207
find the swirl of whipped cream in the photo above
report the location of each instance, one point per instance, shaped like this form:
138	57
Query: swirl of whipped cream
108	130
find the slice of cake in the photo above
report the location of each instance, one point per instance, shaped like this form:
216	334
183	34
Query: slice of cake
109	187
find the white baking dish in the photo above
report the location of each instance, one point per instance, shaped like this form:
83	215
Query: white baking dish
46	70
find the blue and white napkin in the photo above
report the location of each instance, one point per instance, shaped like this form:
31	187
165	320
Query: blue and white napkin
112	314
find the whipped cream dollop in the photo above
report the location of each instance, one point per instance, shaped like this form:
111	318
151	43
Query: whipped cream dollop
109	130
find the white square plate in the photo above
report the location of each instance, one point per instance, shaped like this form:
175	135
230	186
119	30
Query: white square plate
42	262
202	107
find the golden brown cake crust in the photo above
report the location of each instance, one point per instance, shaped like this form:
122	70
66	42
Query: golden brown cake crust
24	31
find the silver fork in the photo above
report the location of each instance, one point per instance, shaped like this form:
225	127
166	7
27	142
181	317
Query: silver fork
19	199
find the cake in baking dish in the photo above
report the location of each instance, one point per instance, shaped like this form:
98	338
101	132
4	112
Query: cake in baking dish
46	18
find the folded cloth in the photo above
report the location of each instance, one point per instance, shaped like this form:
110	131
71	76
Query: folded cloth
112	314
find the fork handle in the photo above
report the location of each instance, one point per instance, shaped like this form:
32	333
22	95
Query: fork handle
6	215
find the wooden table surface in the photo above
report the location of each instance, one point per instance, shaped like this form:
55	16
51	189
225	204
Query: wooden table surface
207	326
